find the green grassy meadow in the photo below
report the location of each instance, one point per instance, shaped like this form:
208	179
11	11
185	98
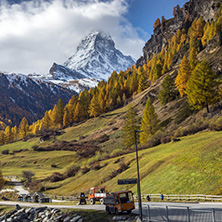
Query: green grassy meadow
189	166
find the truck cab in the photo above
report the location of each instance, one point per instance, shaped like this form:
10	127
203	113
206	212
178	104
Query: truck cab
118	202
97	194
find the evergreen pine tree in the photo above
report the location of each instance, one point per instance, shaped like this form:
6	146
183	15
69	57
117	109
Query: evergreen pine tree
36	128
8	135
131	123
183	75
157	72
78	113
150	122
94	107
15	132
60	110
193	58
54	116
2	138
133	83
201	87
84	100
71	105
47	120
23	128
168	92
142	84
67	118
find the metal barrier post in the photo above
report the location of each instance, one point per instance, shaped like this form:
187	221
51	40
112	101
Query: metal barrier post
148	212
188	214
167	215
213	215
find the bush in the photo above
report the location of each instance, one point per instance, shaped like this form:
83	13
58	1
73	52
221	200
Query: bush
53	165
36	186
96	166
56	176
191	129
117	152
72	171
28	175
5	152
35	148
165	139
84	170
155	139
216	124
122	167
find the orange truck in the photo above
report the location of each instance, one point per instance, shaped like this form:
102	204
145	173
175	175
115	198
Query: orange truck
97	194
118	202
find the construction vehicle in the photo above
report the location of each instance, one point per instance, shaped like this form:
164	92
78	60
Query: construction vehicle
97	194
82	199
118	202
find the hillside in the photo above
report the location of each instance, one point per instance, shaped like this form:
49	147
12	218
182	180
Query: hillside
181	167
23	96
190	163
84	146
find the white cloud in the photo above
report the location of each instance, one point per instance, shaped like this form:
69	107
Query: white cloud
35	34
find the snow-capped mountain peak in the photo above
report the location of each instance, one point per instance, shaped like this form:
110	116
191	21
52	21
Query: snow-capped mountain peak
96	57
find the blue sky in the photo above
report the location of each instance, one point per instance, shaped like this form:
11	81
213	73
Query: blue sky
143	13
36	33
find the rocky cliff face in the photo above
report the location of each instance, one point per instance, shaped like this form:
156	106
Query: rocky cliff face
166	30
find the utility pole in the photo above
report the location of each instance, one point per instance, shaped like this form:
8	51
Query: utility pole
138	177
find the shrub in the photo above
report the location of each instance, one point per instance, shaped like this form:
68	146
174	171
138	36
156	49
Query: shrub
122	167
216	124
28	175
85	170
179	132
155	139
116	152
36	186
175	139
53	165
165	139
72	171
5	152
35	148
56	176
96	166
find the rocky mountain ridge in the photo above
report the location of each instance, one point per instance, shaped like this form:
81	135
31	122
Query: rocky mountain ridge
96	57
22	96
183	18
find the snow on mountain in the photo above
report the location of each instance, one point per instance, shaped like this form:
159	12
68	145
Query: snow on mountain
96	57
28	96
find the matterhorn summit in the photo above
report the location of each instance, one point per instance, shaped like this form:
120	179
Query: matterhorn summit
96	57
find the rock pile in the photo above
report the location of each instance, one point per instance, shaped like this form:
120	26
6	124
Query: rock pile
41	214
46	214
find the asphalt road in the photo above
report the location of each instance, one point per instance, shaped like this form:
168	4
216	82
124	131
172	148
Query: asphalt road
102	207
155	211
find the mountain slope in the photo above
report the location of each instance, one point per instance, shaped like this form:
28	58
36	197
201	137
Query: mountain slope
183	17
22	96
96	57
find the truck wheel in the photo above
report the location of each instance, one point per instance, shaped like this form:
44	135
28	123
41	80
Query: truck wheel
102	201
92	201
108	210
129	211
116	211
